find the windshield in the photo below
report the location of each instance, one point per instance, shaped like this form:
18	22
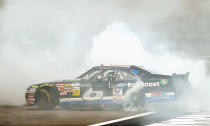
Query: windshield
89	74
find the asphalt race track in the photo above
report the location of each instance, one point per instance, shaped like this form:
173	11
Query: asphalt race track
25	116
19	116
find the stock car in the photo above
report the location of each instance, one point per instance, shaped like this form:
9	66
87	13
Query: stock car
127	86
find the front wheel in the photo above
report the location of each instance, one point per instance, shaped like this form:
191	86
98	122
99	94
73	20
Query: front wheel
46	99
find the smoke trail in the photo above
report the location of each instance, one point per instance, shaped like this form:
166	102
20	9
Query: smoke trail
118	44
35	46
50	40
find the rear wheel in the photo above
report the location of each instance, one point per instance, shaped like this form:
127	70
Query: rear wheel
46	99
135	102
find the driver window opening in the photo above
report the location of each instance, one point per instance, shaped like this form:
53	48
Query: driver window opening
123	75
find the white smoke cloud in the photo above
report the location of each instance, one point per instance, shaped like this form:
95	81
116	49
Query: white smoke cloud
118	44
37	44
50	40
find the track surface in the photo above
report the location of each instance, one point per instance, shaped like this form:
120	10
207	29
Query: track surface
194	119
30	116
58	117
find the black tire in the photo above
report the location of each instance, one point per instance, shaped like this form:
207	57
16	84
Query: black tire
135	102
46	99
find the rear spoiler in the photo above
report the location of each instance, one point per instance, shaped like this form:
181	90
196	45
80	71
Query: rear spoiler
180	81
181	76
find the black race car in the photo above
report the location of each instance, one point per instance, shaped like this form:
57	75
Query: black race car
128	86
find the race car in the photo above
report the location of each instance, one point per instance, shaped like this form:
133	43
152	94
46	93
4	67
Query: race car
127	86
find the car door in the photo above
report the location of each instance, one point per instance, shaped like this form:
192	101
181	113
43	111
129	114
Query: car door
107	79
124	80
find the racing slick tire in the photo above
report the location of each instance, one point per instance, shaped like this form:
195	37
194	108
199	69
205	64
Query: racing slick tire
46	99
135	102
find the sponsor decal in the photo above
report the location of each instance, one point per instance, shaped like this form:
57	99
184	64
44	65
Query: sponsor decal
152	84
64	87
117	94
31	95
117	91
67	85
155	93
134	71
61	88
59	85
63	93
68	90
131	84
159	94
76	91
164	81
92	96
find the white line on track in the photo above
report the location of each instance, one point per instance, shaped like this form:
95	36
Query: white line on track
194	119
123	119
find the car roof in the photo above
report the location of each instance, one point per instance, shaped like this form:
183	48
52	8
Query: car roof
111	66
125	67
122	67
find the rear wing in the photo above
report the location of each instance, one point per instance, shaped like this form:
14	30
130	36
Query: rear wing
180	81
181	76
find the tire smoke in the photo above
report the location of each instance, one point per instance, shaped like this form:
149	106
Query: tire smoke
118	44
51	40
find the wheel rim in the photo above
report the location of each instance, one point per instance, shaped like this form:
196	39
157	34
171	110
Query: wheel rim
42	101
